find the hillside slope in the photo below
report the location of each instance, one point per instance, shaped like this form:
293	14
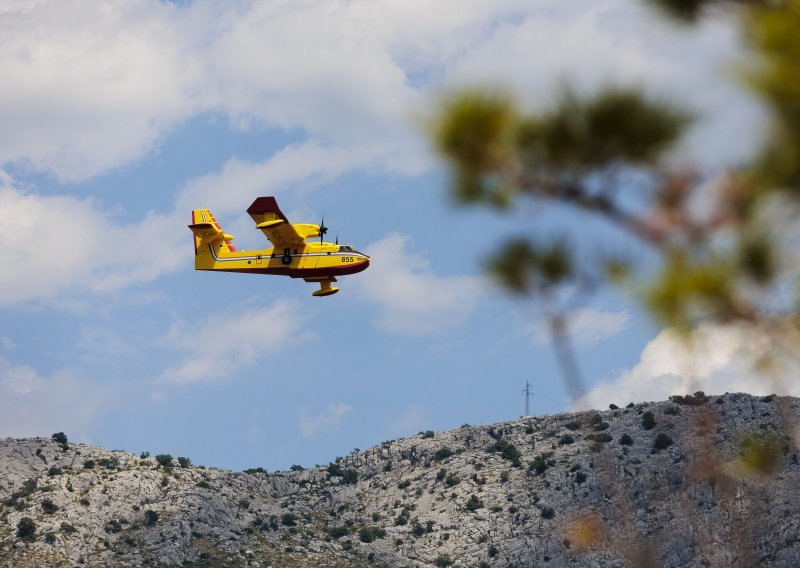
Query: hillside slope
697	482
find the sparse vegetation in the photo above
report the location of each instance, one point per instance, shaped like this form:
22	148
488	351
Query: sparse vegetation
26	528
565	440
48	506
473	503
60	438
164	460
626	440
648	420
442	454
541	462
369	534
661	442
508	451
150	518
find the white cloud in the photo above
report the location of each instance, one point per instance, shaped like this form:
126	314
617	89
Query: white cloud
224	342
410	298
586	326
36	405
299	167
57	244
592	44
94	86
325	420
719	359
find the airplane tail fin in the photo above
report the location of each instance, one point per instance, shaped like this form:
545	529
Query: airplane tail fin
208	235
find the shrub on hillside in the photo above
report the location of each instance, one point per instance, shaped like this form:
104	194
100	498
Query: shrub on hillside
473	503
648	420
150	518
626	440
508	450
164	460
60	438
662	442
26	528
49	507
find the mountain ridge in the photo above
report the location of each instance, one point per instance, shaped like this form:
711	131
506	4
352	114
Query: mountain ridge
693	481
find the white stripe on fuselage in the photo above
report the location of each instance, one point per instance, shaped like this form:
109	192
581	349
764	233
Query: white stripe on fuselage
267	256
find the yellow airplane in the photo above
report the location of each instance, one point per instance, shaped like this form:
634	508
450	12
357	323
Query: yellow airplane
290	254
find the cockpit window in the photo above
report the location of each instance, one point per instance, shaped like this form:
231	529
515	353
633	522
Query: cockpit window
345	248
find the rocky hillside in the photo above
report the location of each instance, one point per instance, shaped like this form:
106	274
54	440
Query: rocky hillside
695	481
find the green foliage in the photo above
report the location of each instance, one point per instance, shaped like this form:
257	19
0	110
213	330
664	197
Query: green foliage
54	471
648	420
426	434
88	464
49	507
289	519
164	460
541	462
350	476
626	440
442	454
547	512
452	480
339	532
184	462
441	474
255	470
50	537
60	438
108	463
662	442
68	528
473	503
601	438
150	518
369	534
113	526
565	440
26	528
443	561
296	467
508	451
203	484
697	399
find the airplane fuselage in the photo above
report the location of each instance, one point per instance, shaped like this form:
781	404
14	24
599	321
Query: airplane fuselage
314	260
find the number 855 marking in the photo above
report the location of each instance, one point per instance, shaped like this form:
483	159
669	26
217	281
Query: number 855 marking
348	259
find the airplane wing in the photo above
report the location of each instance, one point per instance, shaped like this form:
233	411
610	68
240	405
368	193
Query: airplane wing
274	224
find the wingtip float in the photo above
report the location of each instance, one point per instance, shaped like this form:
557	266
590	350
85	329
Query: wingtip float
290	254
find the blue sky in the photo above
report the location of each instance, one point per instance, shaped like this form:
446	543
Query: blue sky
118	120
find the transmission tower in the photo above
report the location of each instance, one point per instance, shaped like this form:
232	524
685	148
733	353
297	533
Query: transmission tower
528	393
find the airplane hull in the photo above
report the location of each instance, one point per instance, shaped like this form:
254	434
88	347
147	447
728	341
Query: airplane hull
303	264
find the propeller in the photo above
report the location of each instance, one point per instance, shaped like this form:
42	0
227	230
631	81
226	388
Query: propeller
322	229
337	238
